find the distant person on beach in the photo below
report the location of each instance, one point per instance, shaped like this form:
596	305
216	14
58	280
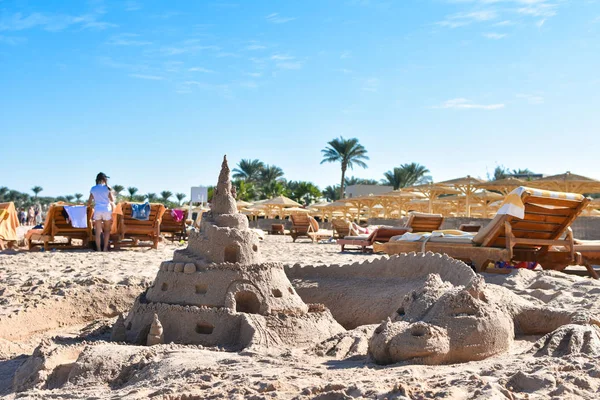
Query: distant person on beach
22	217
101	195
30	216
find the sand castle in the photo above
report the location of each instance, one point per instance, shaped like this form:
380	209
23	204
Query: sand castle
218	292
440	323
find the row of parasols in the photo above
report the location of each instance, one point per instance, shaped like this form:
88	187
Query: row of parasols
467	196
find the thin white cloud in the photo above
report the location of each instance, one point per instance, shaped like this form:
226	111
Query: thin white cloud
467	18
371	85
254	74
346	54
531	98
289	65
147	77
132	5
255	47
281	57
52	22
200	69
127	39
344	70
11	40
540	23
494	36
275	18
465	104
249	84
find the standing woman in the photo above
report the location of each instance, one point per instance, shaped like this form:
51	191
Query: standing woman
103	199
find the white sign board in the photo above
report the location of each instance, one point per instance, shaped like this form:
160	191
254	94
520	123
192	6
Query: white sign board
199	194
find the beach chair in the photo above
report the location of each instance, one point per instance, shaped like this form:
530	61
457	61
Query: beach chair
364	242
469	228
532	225
130	232
9	222
175	229
57	225
423	222
306	226
341	227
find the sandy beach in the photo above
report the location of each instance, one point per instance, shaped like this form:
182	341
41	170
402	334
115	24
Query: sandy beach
59	306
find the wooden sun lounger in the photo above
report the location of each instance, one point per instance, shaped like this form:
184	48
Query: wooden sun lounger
543	236
130	232
417	222
381	235
9	221
56	225
341	227
422	222
168	225
306	226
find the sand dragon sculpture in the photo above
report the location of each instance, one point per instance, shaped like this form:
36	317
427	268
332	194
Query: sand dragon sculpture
440	323
217	292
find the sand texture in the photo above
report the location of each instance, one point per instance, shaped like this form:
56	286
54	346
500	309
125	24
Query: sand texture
57	310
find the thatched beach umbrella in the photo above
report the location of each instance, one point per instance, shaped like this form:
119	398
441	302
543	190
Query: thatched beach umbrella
485	198
279	203
432	191
242	204
505	185
465	185
398	199
367	202
567	182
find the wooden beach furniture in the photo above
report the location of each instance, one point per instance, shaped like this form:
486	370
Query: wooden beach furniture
57	225
417	222
304	225
341	227
423	222
382	235
9	222
130	232
532	225
175	229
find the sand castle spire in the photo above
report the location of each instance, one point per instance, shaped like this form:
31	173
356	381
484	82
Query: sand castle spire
223	201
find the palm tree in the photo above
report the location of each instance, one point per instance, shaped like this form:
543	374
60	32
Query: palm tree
69	198
302	191
499	173
151	197
132	191
164	195
331	193
118	189
248	170
270	173
180	197
3	192
78	197
36	190
407	175
245	190
273	189
346	151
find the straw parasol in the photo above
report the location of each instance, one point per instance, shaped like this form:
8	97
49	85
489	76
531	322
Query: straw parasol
241	204
505	185
432	191
567	182
279	203
361	202
465	185
485	198
398	199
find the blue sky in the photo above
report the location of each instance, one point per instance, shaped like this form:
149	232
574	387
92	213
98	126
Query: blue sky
153	93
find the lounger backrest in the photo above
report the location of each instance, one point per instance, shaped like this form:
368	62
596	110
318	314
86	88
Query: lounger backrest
168	223
383	234
56	223
341	226
9	221
422	222
132	225
300	220
545	218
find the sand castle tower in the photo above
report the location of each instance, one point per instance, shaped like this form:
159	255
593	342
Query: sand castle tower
218	292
